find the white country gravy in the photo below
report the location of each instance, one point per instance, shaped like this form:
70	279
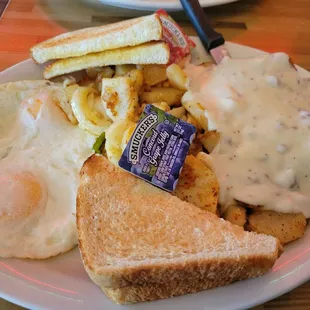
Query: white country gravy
261	107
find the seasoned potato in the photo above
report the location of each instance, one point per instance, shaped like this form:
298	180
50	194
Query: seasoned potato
166	84
197	112
177	112
102	72
153	74
93	72
161	105
170	95
105	73
120	98
141	108
209	139
198	185
285	226
121	70
195	148
236	215
137	78
177	77
205	159
191	120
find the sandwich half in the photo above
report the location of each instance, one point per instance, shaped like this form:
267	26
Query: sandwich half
96	39
140	243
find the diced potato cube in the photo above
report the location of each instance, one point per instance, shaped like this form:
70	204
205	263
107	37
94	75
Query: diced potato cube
141	108
284	226
98	73
153	74
195	148
121	70
105	72
177	112
191	120
205	159
92	73
171	96
177	77
209	139
236	215
137	78
120	98
162	105
166	84
196	111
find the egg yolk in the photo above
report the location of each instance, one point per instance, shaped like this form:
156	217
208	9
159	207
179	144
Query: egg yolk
21	194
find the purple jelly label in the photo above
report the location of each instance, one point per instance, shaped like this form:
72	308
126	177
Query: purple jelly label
157	149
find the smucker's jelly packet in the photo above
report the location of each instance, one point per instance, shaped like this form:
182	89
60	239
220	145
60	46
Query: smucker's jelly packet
157	149
179	43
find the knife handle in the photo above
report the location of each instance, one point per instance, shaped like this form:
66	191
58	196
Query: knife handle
207	35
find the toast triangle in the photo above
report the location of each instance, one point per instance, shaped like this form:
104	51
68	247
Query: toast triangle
96	39
136	240
147	53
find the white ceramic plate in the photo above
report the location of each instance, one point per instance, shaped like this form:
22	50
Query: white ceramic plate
62	283
152	5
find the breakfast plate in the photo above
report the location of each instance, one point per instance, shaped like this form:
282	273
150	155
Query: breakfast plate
151	5
62	283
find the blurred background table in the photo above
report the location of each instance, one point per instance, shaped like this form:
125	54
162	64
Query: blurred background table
270	25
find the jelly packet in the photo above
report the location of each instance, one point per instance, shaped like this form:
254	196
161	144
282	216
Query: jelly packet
179	43
157	149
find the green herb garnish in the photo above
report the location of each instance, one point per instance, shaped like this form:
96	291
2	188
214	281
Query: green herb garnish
99	144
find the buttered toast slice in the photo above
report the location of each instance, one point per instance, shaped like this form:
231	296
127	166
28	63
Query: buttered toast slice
148	53
136	240
90	40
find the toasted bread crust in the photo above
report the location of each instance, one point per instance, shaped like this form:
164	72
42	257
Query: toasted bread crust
213	271
91	40
208	268
148	53
152	291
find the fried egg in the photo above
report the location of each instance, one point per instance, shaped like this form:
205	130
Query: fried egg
41	154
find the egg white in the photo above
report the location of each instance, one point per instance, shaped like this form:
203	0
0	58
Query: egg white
40	159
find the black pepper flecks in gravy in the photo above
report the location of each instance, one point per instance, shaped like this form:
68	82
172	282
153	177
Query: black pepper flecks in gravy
261	107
